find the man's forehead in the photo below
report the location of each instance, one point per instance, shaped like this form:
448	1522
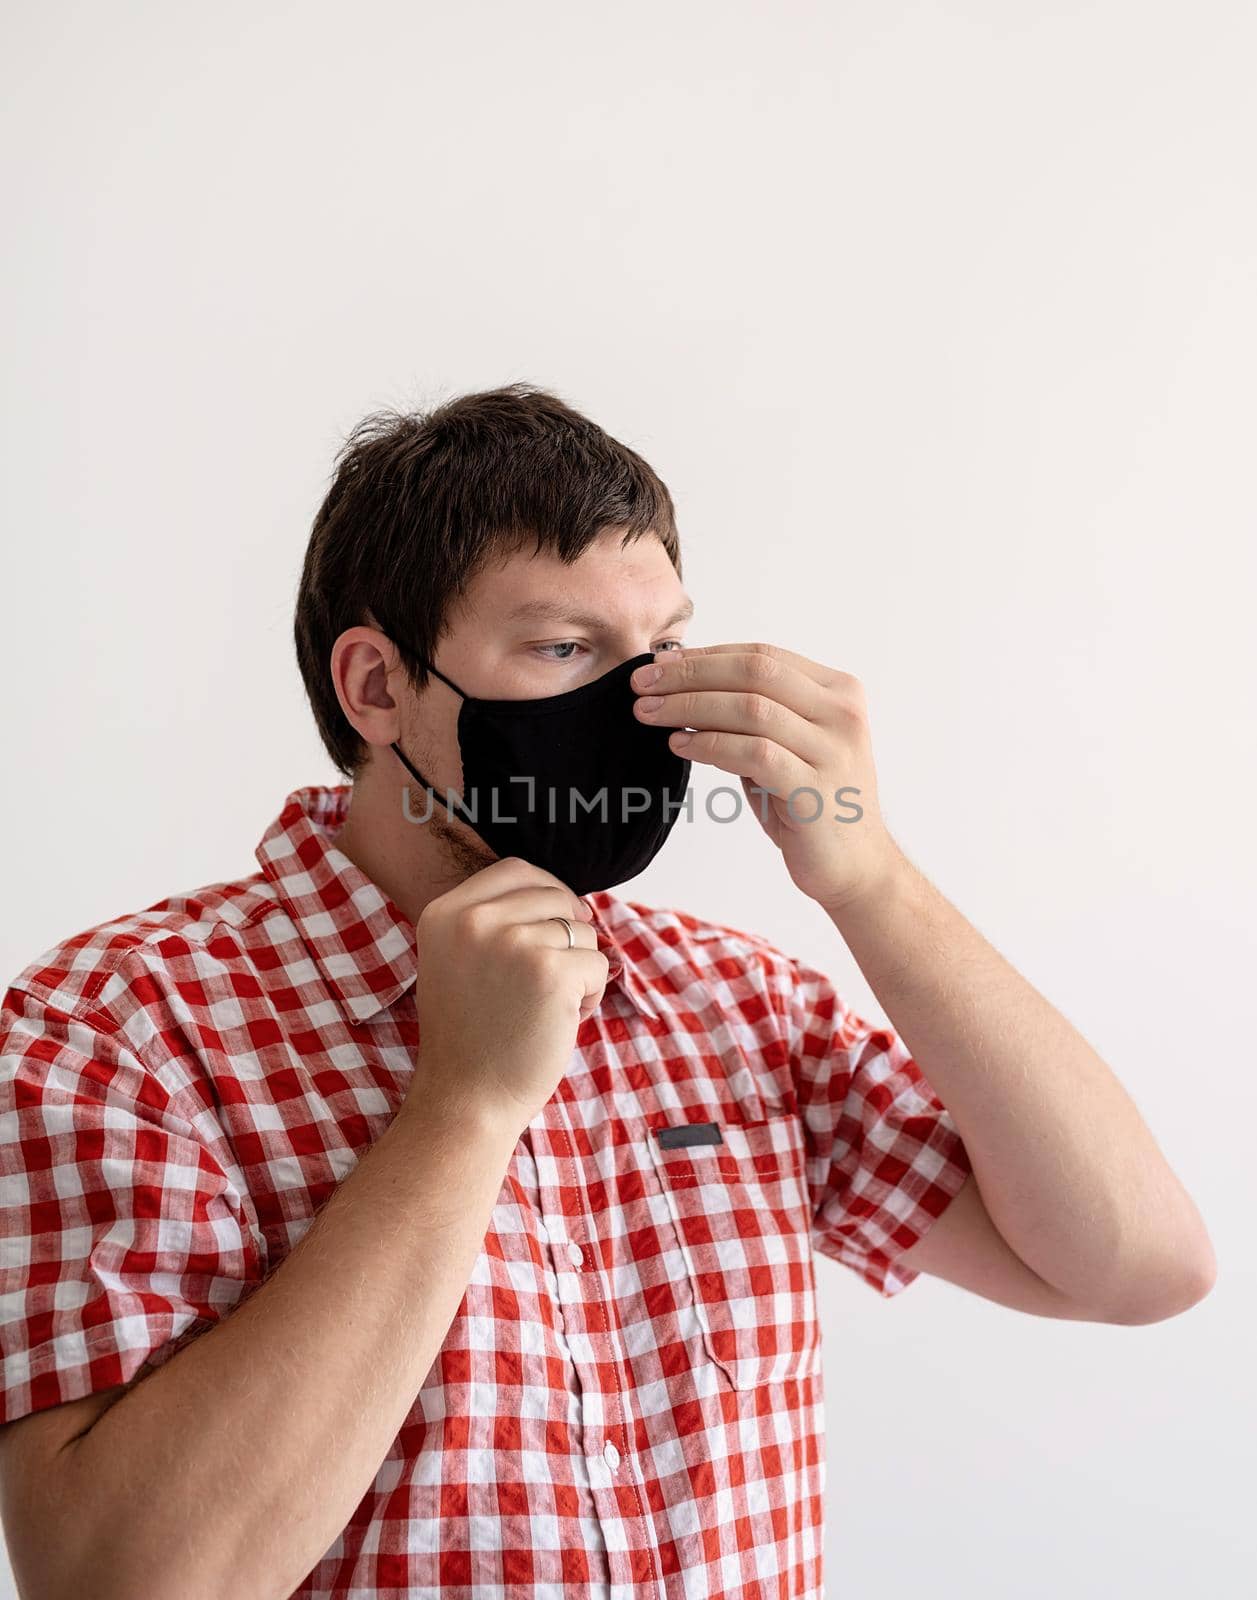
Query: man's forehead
617	587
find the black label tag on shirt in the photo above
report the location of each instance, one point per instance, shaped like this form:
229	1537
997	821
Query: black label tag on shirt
690	1133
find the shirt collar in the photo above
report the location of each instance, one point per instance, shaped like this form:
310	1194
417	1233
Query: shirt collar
363	945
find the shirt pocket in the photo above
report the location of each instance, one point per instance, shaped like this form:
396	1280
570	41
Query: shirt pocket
741	1213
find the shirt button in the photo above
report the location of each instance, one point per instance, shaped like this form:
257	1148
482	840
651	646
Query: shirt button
611	1455
575	1254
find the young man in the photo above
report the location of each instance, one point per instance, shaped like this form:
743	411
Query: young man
415	1216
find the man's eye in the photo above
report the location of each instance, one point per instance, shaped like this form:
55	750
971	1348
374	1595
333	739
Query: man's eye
564	649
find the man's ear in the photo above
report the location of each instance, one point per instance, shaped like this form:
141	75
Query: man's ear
370	681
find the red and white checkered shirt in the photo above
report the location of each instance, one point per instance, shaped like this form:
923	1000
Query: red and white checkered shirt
628	1401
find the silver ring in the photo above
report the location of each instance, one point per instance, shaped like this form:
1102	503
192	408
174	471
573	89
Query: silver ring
571	936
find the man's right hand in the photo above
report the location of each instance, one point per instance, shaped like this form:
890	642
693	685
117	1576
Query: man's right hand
500	996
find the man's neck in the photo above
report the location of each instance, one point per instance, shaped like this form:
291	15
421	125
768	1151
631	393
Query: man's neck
412	862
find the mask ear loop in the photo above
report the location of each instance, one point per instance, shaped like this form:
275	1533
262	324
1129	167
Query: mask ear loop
428	667
414	770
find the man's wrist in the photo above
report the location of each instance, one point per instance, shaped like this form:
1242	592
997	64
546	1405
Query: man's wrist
457	1111
879	887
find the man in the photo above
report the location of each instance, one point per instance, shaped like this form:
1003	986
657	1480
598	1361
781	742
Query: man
411	1217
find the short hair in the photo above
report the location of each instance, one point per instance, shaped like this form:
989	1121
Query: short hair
420	500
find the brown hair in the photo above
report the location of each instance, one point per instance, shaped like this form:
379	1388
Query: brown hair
420	500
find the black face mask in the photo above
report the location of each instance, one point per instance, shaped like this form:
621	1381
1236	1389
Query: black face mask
574	783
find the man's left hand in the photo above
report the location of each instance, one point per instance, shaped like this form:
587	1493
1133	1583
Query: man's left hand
784	724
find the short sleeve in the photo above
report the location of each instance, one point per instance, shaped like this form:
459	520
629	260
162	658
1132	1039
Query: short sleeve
885	1158
121	1235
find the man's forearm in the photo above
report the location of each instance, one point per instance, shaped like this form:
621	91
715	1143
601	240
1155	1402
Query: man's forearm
1068	1170
233	1467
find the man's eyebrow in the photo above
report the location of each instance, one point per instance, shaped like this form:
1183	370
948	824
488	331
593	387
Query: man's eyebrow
558	611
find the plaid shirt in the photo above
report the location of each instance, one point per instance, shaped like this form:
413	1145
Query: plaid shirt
628	1400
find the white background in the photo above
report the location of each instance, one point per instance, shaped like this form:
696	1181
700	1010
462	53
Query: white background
940	323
